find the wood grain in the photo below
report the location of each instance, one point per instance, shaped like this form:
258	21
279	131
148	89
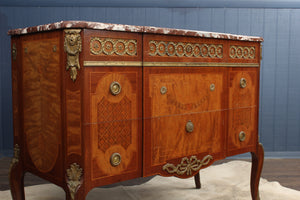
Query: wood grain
114	121
41	101
108	38
243	110
66	122
205	50
188	98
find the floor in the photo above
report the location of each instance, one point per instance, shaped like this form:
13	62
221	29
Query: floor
285	171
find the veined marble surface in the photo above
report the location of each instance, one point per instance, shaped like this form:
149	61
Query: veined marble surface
130	28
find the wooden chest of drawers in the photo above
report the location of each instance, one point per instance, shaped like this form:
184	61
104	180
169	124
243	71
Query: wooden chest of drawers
96	103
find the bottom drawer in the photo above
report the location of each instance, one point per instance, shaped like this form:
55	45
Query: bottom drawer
242	130
173	137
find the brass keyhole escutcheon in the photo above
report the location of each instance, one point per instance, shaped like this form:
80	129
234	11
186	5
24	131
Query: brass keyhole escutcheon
115	159
163	90
189	127
115	88
243	83
212	87
242	136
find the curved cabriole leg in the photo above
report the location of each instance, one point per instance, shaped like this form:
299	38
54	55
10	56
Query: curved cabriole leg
16	181
197	180
16	176
257	165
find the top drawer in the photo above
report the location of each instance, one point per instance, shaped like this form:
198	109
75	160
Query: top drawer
177	90
108	46
166	48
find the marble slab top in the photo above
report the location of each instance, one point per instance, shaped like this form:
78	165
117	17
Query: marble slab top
130	28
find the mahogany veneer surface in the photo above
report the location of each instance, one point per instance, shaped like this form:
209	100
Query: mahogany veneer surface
95	104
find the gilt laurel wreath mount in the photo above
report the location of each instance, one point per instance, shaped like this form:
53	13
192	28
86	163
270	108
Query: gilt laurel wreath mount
187	165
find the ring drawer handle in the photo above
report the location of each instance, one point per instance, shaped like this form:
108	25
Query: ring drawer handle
115	88
242	136
115	159
163	90
212	87
243	82
189	127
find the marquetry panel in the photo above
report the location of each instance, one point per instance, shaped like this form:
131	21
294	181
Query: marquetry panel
16	98
243	96
115	125
42	101
243	108
187	90
170	140
242	120
174	98
114	120
73	119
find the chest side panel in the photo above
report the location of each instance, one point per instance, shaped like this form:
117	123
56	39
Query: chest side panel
41	85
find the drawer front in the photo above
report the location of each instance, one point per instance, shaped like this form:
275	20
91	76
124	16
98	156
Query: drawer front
177	91
183	114
243	112
113	121
172	138
196	50
103	47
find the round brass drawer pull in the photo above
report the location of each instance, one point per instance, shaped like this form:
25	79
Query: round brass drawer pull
242	136
115	88
243	83
212	87
115	159
189	127
163	90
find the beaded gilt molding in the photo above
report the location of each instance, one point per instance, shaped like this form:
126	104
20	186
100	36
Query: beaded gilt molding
181	49
109	46
241	52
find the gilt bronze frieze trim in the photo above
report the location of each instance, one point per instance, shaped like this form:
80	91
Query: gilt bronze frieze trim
73	46
111	46
241	52
166	64
180	49
112	63
198	64
74	174
187	165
